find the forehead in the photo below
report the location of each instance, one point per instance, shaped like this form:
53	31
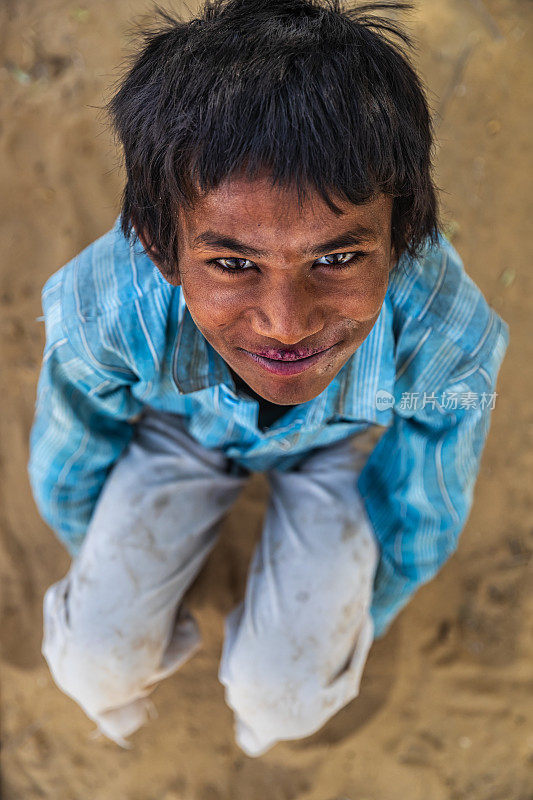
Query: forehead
255	210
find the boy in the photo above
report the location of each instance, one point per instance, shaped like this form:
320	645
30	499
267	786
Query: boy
291	299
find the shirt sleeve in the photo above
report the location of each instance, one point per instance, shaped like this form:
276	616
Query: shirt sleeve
80	426
418	483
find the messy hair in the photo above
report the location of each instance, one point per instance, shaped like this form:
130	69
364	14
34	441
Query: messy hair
321	96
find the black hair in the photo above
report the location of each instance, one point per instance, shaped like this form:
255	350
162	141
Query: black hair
324	97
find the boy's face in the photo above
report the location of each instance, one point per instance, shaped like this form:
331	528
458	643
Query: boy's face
302	280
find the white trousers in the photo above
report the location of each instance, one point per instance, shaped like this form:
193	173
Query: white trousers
294	648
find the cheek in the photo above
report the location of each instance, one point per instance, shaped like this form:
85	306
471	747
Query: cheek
362	302
211	305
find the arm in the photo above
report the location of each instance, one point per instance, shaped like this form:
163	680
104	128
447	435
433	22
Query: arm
418	484
80	426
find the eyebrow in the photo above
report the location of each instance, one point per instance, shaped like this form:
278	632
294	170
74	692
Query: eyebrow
357	235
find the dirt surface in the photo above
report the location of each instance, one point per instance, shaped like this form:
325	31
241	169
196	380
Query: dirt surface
445	706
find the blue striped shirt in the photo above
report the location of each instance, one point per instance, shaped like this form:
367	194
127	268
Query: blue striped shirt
119	336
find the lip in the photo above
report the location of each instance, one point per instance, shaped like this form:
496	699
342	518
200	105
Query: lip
288	355
288	366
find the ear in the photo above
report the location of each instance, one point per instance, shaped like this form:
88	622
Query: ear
170	275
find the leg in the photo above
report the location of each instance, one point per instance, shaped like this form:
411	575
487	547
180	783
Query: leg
114	625
295	649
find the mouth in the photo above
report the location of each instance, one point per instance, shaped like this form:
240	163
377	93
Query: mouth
285	362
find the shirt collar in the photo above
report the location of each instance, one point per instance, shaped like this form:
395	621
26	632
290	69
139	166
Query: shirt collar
361	391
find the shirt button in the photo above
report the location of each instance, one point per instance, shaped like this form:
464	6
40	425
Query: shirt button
285	444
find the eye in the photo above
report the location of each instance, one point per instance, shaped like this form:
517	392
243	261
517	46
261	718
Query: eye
232	264
338	259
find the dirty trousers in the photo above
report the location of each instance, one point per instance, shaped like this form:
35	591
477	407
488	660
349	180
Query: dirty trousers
294	648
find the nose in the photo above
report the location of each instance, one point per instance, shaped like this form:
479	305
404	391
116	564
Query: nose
288	312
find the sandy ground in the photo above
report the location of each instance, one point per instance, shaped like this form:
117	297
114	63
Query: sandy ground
444	706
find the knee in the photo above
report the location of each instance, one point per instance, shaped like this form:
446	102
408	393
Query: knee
91	678
271	702
85	664
286	687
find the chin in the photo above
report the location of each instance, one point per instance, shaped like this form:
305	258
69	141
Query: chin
287	395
